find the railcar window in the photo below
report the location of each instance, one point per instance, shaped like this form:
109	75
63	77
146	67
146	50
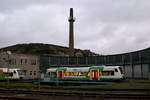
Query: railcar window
20	72
52	74
100	73
116	70
1	72
88	74
83	73
112	73
15	72
11	74
75	73
121	70
107	73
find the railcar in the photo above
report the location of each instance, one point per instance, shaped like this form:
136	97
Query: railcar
93	73
11	73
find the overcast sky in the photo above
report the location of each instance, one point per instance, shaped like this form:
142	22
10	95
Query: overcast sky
102	26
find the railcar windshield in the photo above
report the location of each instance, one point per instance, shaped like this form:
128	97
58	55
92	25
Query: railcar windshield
21	72
121	70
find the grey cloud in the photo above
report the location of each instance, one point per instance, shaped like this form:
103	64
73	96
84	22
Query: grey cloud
103	26
9	5
119	11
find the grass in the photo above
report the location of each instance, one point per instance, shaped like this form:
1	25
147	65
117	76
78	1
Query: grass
122	84
16	85
117	85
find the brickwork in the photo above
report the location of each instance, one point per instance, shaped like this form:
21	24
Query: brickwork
71	33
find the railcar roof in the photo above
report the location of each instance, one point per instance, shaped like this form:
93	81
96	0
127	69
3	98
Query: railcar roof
51	69
82	68
112	66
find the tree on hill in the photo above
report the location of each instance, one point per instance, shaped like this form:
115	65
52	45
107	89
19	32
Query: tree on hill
39	49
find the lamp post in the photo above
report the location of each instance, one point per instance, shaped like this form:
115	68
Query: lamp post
8	53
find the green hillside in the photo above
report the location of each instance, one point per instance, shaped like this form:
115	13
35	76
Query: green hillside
39	48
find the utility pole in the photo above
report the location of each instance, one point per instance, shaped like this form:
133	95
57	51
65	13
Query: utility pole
8	61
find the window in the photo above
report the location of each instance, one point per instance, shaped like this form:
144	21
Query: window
52	75
107	73
14	71
116	70
24	72
121	70
49	73
12	61
100	73
88	74
34	73
21	61
75	74
83	73
21	72
111	73
30	72
33	62
4	58
25	61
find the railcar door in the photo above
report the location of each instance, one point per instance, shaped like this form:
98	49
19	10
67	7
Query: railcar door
60	75
94	74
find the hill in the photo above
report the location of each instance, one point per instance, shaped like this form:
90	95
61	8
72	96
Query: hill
39	49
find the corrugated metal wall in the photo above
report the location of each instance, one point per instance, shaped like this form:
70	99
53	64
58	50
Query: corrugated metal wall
135	64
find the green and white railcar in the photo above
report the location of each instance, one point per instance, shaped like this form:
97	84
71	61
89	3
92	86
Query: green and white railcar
95	73
11	73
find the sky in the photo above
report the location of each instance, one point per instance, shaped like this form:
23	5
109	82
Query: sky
102	26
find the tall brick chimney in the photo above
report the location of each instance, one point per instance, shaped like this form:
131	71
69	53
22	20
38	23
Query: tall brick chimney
71	33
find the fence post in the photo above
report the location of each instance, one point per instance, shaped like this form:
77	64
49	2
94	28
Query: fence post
140	63
123	64
131	63
149	65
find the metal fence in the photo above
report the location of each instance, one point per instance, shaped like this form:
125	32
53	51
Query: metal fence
135	64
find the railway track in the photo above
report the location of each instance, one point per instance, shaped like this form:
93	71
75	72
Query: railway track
117	94
99	97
